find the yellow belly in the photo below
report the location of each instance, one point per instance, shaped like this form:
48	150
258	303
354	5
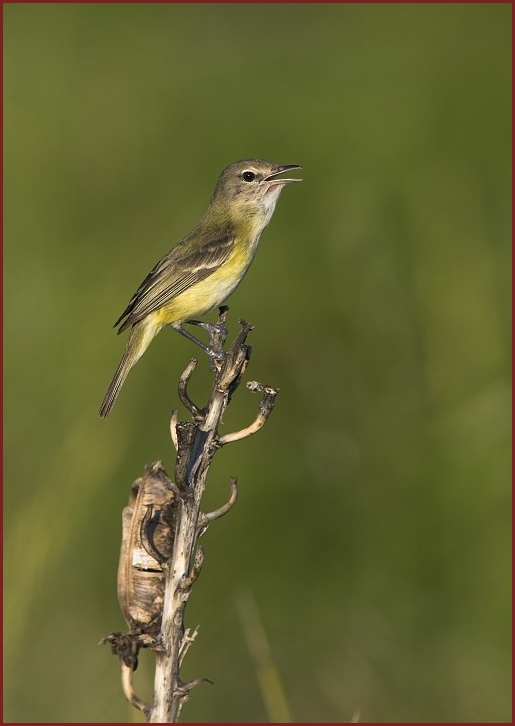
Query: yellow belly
207	294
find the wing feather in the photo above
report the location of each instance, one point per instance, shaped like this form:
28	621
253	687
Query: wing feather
174	273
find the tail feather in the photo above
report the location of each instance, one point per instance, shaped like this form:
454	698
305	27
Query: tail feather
139	340
119	377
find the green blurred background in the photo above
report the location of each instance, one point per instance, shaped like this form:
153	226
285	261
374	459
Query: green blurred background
373	524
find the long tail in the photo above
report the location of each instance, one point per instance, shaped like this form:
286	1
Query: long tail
140	338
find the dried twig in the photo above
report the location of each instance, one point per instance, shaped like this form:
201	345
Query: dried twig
163	523
197	444
265	409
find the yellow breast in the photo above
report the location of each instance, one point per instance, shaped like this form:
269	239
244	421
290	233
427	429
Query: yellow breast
209	293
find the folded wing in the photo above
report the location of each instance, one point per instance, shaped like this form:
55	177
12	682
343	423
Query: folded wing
177	271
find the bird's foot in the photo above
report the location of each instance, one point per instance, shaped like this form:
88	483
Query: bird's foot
217	333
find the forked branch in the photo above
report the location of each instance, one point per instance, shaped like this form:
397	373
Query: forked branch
160	559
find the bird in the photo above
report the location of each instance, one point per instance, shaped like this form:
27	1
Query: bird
204	268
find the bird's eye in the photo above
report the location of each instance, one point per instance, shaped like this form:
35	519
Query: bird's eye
249	176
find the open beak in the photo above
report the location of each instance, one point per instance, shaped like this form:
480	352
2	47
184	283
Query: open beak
281	170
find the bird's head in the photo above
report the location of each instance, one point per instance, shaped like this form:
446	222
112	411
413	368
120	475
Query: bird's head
252	187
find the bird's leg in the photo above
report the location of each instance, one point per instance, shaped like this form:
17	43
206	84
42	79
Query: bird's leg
217	334
212	351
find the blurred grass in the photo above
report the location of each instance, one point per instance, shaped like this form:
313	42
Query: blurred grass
373	522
